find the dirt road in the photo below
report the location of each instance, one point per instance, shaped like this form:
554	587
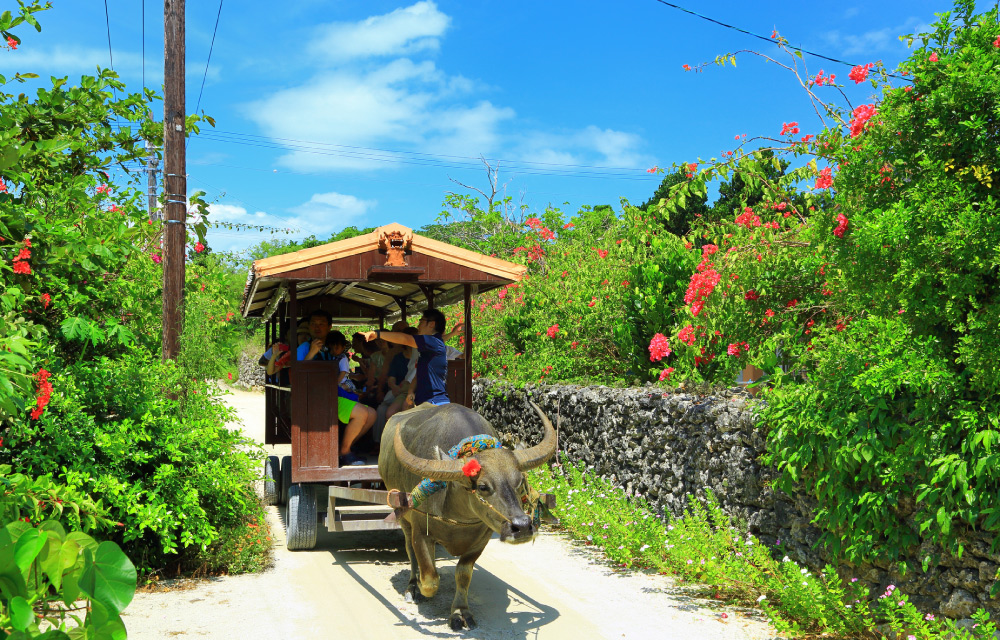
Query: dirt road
351	586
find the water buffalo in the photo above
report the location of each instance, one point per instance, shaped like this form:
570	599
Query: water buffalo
463	515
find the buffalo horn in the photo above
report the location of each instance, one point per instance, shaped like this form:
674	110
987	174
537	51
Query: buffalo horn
536	455
425	468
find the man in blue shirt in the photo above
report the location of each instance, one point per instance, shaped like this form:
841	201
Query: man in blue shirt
320	322
432	367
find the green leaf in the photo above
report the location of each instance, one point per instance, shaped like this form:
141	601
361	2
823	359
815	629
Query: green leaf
27	549
21	614
110	578
8	156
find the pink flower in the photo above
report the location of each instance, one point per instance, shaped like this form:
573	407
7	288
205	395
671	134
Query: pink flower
686	335
652	170
155	257
841	225
553	330
788	128
533	222
934	57
748	218
666	373
659	348
860	117
199	247
860	73
103	189
11	42
825	179
114	209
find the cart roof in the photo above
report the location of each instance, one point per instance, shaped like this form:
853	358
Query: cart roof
362	278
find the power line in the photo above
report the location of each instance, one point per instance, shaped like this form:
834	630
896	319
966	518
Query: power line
766	39
212	46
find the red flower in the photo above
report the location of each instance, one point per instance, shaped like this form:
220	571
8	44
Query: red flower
789	128
27	242
996	43
860	72
686	67
736	348
546	234
533	222
934	57
3	187
748	218
114	209
686	335
553	330
769	313
43	393
199	247
792	303
46	299
652	170
825	179
23	254
625	283
841	225
103	189
11	42
666	373
602	253
860	117
592	302
659	348
569	225
471	468
708	249
701	286
692	167
229	375
22	268
751	295
574	344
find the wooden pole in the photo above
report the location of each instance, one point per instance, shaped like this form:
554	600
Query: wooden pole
175	180
467	308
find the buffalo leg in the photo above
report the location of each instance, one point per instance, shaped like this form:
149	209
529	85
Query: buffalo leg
412	588
461	615
423	550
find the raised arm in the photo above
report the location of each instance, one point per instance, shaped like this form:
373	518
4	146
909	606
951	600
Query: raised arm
397	337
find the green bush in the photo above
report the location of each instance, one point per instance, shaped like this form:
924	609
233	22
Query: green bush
153	446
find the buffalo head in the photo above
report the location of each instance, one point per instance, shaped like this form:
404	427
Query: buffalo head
494	493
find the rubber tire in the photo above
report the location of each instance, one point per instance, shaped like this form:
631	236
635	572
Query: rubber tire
301	521
272	481
286	478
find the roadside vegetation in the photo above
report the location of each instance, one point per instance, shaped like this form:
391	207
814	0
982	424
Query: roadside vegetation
723	562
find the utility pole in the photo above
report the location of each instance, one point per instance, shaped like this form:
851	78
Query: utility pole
151	170
175	179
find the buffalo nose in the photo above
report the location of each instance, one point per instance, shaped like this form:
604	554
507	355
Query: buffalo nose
520	523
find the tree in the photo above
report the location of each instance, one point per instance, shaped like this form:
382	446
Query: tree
679	221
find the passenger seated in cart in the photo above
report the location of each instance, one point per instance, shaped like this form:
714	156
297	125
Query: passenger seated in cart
358	417
432	367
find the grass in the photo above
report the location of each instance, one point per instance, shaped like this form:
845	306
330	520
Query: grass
703	546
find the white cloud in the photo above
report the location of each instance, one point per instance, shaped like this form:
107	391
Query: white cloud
401	104
380	95
72	61
330	211
873	42
405	31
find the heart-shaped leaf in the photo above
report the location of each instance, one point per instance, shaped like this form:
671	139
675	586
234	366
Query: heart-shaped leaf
110	578
21	614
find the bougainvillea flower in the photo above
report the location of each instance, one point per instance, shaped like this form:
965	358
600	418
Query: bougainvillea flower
788	128
46	299
860	117
933	57
553	330
686	335
11	42
860	73
659	348
666	373
825	179
199	247
769	313
841	225
751	295
22	268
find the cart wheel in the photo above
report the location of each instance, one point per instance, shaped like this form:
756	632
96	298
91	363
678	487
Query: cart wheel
300	517
272	481
286	478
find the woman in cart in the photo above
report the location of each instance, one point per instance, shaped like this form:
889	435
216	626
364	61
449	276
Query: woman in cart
432	367
359	417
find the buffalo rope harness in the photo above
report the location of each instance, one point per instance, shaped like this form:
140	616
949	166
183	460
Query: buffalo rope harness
468	447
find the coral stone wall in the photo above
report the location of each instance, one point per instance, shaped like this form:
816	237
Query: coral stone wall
668	445
251	374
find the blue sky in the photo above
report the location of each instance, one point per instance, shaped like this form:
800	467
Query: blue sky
332	114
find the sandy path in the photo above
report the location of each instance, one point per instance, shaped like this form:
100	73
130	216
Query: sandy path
351	586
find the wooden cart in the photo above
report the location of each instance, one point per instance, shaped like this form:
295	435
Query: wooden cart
370	280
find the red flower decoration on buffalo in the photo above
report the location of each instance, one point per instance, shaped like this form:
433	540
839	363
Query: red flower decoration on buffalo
472	468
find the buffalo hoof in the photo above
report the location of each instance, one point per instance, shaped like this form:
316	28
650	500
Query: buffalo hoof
462	620
413	594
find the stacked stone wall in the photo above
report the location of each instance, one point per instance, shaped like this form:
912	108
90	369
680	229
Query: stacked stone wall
251	374
668	445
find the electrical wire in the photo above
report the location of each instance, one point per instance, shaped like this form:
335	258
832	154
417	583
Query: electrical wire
207	62
770	40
